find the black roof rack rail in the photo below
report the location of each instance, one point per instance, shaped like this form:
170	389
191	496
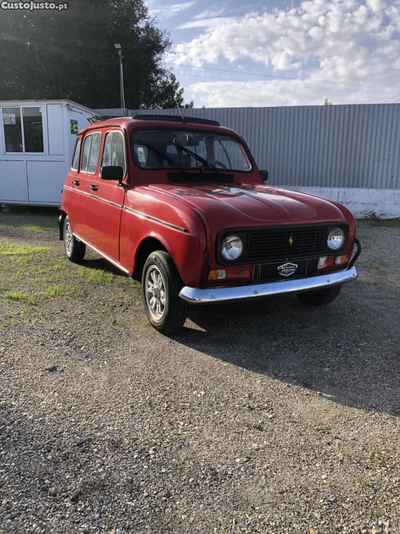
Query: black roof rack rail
94	120
175	118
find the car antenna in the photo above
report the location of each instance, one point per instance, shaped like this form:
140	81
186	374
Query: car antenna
180	111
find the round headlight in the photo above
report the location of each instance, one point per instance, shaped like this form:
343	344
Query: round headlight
335	238
232	247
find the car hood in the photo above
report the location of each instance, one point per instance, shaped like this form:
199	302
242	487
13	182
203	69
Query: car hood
252	205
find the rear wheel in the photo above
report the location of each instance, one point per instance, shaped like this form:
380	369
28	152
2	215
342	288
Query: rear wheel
74	249
161	284
320	297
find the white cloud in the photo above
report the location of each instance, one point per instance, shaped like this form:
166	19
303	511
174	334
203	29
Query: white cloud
164	11
201	23
276	93
346	44
211	13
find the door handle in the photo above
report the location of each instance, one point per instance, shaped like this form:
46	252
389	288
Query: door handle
93	187
76	182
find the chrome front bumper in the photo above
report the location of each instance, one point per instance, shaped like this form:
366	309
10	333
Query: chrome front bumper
194	295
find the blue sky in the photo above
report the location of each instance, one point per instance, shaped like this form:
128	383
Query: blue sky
283	53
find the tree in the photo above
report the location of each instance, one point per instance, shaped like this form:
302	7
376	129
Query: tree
70	54
327	102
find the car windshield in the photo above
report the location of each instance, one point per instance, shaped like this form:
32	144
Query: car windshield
188	150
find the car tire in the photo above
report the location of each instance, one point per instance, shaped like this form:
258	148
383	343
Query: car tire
320	297
161	285
74	249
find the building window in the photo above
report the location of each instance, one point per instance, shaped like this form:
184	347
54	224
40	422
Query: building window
33	129
23	134
12	129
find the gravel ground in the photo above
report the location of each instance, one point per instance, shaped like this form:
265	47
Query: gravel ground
257	417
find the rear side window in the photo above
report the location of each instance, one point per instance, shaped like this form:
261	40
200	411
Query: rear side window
75	158
114	150
90	153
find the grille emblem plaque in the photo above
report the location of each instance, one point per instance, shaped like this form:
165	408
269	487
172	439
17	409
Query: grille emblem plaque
287	269
291	240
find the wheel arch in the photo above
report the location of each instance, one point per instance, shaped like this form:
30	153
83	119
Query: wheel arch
146	247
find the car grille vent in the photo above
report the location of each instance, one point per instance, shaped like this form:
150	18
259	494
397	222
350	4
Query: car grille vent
276	243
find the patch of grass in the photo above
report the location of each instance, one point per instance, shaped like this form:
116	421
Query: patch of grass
346	453
376	458
363	481
29	227
145	323
374	221
95	276
20	297
9	249
38	227
54	291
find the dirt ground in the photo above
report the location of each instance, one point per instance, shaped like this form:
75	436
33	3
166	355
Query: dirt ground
259	417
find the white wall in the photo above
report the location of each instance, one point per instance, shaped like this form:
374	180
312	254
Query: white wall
362	202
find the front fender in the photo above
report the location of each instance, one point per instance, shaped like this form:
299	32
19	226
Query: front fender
174	225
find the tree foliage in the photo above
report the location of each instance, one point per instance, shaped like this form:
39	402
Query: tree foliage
71	54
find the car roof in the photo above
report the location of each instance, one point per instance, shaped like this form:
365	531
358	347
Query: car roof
140	121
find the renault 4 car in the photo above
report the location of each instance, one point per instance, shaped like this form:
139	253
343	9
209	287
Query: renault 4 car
180	204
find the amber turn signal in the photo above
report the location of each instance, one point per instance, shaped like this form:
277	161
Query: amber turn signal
340	260
217	274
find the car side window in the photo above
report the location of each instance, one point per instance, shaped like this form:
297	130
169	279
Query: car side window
114	150
90	153
94	152
86	152
75	158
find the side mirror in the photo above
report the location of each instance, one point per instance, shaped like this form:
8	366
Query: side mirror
264	176
112	172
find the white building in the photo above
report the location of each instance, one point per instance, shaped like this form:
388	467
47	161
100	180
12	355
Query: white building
37	139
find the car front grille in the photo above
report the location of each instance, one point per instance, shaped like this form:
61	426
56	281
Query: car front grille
286	242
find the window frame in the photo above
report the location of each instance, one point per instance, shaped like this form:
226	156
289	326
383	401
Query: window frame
104	146
90	134
78	140
44	131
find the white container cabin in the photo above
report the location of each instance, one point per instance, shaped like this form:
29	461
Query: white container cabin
37	139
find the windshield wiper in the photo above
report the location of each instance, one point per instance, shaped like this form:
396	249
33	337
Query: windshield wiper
161	154
196	156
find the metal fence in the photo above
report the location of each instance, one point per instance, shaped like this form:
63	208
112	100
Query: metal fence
356	146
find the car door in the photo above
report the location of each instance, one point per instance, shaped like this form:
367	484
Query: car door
106	197
75	203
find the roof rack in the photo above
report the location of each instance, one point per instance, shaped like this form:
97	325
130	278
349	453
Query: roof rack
175	118
94	120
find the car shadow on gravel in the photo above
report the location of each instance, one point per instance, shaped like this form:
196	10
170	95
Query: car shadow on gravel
103	265
348	351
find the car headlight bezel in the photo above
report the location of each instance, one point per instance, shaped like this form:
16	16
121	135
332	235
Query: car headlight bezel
336	239
235	251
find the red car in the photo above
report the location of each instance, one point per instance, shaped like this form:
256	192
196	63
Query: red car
181	205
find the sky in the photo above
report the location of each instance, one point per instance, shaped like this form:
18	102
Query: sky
269	53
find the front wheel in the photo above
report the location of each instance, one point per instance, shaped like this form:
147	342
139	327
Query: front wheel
161	284
320	297
74	249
